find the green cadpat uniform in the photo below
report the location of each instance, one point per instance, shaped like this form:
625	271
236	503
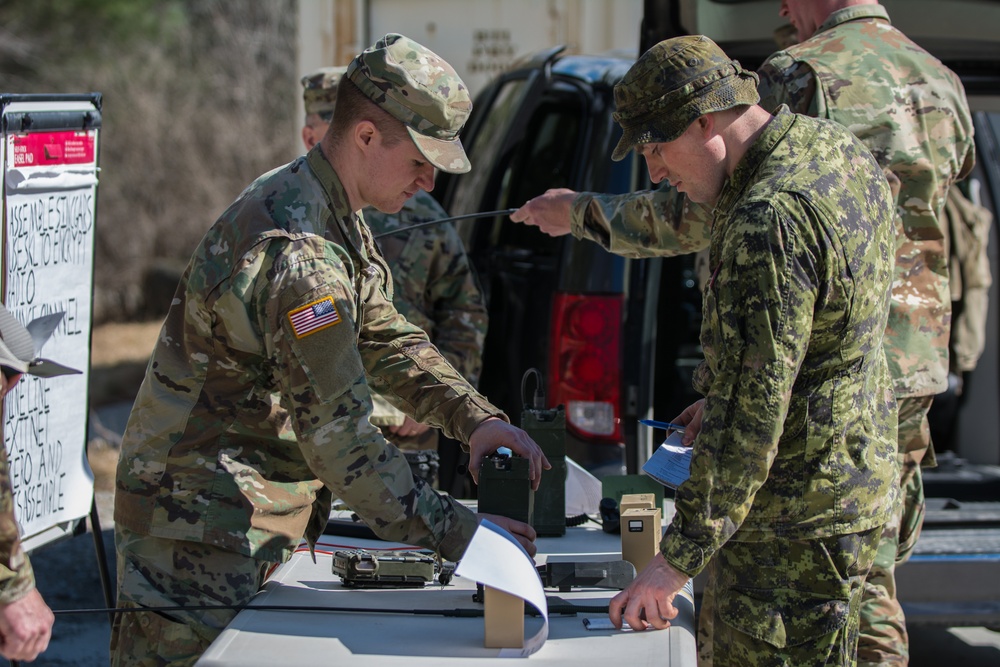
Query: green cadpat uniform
912	114
797	443
255	404
651	223
434	287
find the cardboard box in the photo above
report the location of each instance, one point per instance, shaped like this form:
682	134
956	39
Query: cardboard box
631	501
642	530
504	619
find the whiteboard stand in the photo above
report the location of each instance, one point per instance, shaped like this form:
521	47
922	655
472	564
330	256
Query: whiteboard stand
49	166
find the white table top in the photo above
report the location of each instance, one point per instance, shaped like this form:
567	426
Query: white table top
268	638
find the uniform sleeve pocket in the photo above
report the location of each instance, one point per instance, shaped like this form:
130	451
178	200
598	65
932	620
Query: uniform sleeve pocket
785	617
324	345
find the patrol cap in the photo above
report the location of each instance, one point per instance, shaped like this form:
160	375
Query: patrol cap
674	83
416	86
320	91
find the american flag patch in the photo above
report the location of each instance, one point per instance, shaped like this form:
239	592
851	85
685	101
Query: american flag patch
314	317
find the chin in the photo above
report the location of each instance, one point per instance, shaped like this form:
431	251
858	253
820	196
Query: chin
385	207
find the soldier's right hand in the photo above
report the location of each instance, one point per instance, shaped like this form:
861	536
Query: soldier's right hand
25	627
691	420
495	433
549	211
522	532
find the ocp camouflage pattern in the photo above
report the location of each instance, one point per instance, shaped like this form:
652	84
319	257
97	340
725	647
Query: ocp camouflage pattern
434	284
911	112
243	417
798	438
437	103
17	578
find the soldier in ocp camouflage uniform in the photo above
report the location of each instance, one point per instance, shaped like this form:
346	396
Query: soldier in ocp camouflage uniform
256	402
793	473
25	620
852	66
434	284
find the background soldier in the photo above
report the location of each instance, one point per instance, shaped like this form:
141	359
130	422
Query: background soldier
970	278
255	407
434	287
798	204
853	67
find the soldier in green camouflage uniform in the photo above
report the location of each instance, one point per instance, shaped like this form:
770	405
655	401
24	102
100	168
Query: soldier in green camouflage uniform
794	470
25	620
254	410
852	66
434	284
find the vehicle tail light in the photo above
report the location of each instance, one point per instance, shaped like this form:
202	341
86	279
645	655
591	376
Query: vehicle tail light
585	363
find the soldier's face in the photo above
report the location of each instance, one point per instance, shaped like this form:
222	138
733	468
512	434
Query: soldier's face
688	163
804	15
313	130
395	173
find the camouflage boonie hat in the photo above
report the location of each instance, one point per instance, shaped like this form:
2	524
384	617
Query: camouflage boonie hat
419	88
674	83
320	91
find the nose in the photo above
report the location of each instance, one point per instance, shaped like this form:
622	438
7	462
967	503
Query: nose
656	171
426	178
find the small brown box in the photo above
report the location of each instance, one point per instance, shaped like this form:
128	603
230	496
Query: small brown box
642	530
504	615
637	501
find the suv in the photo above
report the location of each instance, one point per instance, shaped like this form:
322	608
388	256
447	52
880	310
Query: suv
617	338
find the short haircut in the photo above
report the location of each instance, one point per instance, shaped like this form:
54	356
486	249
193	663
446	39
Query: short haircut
353	106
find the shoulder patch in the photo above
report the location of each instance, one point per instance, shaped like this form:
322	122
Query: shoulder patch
313	317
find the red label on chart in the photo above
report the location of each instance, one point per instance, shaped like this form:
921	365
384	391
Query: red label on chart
38	149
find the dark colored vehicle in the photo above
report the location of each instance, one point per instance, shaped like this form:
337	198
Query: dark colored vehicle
617	339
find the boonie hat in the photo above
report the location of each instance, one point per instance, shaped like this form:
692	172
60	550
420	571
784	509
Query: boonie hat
416	86
320	91
674	83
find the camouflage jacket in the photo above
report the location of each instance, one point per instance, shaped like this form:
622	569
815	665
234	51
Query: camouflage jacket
798	438
434	284
652	223
16	576
256	395
911	112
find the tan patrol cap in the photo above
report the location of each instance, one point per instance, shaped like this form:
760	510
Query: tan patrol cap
419	88
320	90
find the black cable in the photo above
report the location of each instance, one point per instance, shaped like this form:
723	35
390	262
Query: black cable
563	609
538	399
467	216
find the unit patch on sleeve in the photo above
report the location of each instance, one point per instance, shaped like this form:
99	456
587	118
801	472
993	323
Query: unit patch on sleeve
314	317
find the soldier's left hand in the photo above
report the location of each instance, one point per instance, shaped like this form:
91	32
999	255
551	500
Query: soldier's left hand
648	600
494	433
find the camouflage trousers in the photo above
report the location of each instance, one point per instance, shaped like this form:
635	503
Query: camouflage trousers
883	639
155	572
788	603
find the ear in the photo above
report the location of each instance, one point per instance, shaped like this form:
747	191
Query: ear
307	137
364	134
706	125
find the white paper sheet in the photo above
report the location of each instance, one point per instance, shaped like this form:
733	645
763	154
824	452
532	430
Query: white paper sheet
670	464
